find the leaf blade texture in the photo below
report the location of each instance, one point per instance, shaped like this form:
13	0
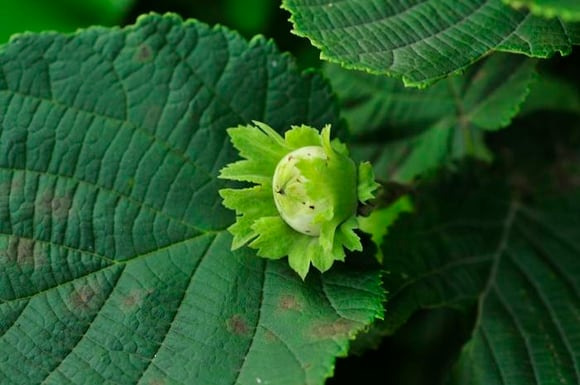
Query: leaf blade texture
517	260
423	41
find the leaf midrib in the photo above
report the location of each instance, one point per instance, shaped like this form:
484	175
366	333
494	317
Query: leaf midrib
496	258
555	320
170	323
88	326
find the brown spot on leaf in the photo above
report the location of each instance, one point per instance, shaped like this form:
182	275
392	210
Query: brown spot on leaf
57	206
134	299
238	325
289	302
157	381
338	328
131	300
4	189
270	337
20	251
83	298
17	184
12	187
40	255
144	53
24	252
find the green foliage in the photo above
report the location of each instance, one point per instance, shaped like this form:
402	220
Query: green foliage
115	262
424	41
420	130
527	331
565	9
480	242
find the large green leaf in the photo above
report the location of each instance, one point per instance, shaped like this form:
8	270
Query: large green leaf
472	241
566	9
421	41
407	132
115	264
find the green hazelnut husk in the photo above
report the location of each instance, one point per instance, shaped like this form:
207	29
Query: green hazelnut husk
304	201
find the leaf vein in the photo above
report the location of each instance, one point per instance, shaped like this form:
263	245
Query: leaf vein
170	324
521	332
89	324
553	317
258	320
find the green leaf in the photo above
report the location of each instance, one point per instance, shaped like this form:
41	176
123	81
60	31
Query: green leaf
520	261
423	41
115	263
566	9
414	131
